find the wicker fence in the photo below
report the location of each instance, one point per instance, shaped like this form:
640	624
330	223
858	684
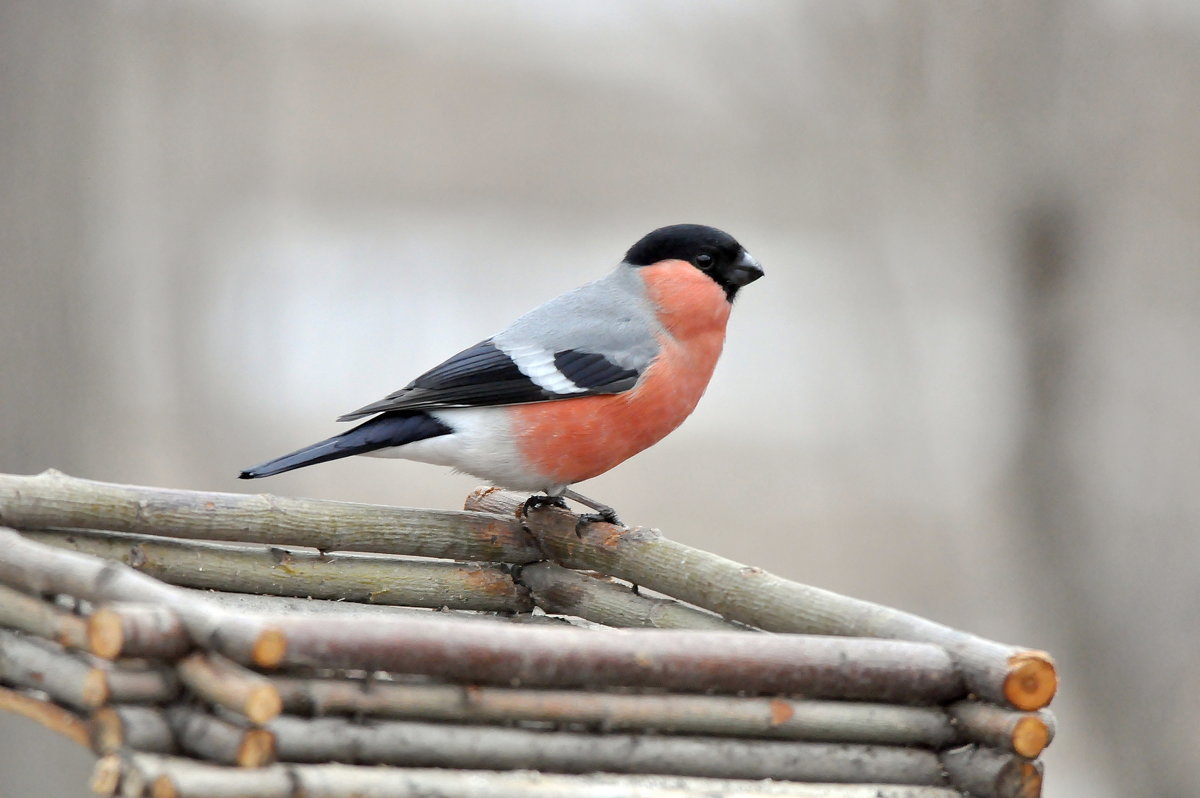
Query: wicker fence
247	667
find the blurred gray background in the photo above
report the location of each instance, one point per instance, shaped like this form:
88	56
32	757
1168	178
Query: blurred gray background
967	387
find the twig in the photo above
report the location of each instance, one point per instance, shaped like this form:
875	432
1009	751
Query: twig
117	727
137	682
560	590
486	747
220	741
173	777
368	578
1003	674
54	500
985	773
1024	733
106	775
25	663
137	630
37	617
38	568
52	716
227	684
814	721
818	667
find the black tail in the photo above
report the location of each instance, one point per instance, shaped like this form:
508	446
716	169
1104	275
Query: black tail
381	432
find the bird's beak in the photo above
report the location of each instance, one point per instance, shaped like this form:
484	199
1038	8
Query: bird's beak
744	270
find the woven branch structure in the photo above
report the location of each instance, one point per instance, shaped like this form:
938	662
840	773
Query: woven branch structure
207	645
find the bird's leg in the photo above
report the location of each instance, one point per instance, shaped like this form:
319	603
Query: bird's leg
603	511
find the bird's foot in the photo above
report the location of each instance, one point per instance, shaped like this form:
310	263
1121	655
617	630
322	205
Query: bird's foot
542	500
609	517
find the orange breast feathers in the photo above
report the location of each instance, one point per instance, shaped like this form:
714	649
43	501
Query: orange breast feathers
570	440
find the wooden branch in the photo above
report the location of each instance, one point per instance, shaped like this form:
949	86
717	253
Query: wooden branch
117	727
41	618
173	777
144	684
66	679
1024	733
220	741
106	775
125	629
985	773
52	716
458	650
37	568
227	684
813	721
1002	674
560	590
487	747
54	500
368	578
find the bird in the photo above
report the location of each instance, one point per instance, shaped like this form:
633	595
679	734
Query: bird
572	388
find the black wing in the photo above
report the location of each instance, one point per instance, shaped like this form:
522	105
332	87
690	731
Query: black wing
484	375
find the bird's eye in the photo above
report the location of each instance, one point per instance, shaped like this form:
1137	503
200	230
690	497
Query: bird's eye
704	260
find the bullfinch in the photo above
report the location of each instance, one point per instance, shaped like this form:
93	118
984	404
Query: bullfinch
572	388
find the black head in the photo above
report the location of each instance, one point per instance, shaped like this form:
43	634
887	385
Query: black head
710	250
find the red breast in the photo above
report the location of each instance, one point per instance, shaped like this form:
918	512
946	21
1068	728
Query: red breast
570	440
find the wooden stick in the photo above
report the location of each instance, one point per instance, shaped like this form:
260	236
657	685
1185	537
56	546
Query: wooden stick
813	721
174	777
66	679
125	629
486	747
52	499
37	568
1024	733
220	741
52	716
137	682
113	728
818	667
106	775
560	590
286	605
369	578
227	684
1002	674
985	773
37	617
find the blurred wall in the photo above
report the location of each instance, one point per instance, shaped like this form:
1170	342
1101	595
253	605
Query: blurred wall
967	386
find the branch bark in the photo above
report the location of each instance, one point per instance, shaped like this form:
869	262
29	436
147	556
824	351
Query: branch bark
229	685
173	777
66	679
985	773
220	741
486	747
1016	677
37	568
1024	733
37	617
367	578
53	717
817	667
596	598
54	500
113	728
813	721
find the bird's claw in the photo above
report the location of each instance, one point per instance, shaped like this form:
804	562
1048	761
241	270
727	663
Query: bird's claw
542	500
608	517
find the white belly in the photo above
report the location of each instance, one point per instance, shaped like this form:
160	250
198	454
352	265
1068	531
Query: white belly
482	445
